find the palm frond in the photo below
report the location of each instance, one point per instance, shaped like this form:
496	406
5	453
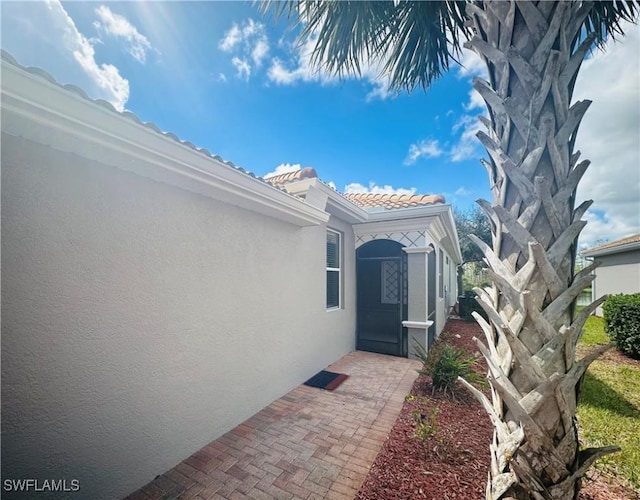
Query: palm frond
605	17
423	42
413	42
349	34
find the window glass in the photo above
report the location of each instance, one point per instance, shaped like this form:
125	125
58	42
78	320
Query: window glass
333	249
333	289
333	269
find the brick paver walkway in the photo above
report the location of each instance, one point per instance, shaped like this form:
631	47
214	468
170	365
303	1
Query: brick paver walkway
309	444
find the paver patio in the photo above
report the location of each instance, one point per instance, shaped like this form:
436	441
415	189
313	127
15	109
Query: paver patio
309	444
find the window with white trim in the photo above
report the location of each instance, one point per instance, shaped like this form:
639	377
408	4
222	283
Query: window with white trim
334	264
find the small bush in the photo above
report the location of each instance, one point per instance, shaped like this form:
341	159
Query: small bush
426	427
445	364
426	430
621	314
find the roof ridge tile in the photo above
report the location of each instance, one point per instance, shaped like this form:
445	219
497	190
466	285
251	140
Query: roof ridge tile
393	200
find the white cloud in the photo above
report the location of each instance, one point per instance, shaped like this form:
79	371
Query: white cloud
243	69
300	69
118	26
471	65
249	45
467	146
600	227
373	188
231	38
284	168
279	74
44	35
609	136
260	51
423	149
380	89
222	77
463	195
475	101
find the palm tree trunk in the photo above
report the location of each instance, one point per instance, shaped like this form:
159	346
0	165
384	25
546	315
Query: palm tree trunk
532	58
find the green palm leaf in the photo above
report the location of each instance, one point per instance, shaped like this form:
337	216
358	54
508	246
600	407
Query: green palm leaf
414	42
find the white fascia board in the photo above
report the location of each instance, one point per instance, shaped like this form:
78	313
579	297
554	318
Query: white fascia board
450	223
448	235
417	324
299	188
40	110
337	204
612	250
439	230
437	220
426	218
390	226
343	208
408	213
417	249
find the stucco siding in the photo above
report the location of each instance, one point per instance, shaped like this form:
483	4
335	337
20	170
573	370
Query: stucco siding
141	321
417	300
618	273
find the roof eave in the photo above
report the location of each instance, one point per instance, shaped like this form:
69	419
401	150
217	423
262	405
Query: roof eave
408	213
337	205
612	250
37	108
440	218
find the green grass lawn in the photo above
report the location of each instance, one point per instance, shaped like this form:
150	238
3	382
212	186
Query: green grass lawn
594	332
609	409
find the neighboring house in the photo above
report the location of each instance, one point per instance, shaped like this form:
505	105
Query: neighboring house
155	296
619	270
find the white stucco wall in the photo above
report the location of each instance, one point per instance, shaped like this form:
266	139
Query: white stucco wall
618	273
141	321
443	305
417	300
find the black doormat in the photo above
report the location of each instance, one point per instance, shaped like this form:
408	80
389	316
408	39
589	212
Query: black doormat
326	380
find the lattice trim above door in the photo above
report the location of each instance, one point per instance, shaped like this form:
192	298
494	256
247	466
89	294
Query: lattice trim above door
409	239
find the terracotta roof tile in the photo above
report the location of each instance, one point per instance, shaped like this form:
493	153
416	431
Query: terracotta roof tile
362	200
393	201
298	175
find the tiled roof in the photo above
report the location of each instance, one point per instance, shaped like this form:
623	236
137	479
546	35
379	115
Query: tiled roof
614	244
298	175
391	201
127	114
362	200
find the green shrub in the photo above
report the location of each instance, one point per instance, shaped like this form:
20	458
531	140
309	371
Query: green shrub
622	322
426	427
444	364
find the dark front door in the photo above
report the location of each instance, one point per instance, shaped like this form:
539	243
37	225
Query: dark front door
381	294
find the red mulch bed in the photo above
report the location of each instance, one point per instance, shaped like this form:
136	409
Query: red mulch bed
452	464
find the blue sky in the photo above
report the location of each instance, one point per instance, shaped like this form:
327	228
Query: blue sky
225	78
